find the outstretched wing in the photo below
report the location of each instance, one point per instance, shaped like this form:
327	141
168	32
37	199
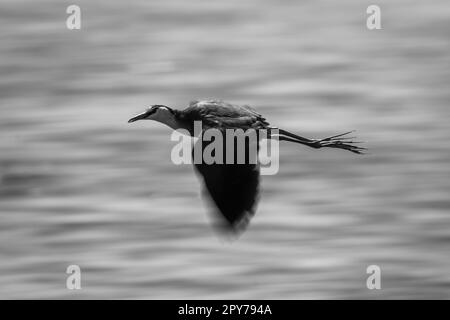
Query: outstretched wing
233	189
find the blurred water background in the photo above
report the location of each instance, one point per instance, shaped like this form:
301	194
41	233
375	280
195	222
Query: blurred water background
78	185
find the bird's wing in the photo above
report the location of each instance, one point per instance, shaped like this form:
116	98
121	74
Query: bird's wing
223	109
233	189
217	113
251	110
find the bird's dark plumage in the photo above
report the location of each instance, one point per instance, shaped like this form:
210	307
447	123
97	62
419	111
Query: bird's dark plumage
233	189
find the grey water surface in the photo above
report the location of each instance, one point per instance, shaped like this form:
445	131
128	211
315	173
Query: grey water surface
78	185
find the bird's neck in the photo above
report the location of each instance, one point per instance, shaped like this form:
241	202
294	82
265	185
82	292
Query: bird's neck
171	120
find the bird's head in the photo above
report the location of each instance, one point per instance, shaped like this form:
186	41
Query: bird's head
156	112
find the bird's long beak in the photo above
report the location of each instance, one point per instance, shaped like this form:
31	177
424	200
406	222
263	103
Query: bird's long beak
140	116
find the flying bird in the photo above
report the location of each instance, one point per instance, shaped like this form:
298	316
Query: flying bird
234	188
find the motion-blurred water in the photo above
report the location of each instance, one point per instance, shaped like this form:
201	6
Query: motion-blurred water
78	185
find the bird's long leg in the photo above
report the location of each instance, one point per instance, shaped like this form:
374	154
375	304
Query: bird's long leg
309	144
336	141
297	137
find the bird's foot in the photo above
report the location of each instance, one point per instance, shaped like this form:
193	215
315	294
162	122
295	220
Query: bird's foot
340	142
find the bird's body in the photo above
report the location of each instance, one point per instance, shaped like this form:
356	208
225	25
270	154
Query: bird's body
213	114
233	187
